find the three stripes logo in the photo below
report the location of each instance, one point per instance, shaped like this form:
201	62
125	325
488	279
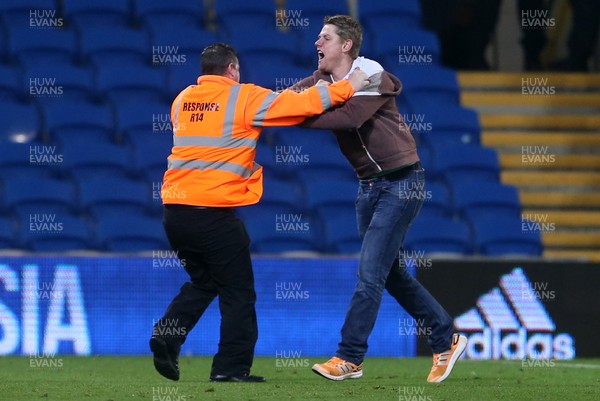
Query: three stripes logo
511	323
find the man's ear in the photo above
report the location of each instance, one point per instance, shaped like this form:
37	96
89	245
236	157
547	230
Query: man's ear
347	45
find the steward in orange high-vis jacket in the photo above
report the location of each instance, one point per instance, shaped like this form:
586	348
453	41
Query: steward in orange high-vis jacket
216	125
211	170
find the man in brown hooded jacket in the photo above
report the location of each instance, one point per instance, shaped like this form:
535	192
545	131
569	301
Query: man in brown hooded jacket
376	141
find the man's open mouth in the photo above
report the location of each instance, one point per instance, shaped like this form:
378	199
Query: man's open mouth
320	54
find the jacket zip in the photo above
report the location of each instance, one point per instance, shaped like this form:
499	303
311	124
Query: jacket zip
367	151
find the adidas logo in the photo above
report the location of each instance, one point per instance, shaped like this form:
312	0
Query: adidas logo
511	322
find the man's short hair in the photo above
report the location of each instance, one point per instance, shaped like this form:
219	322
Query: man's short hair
216	58
347	28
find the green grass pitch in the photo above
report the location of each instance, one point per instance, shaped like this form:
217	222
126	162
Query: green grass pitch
133	378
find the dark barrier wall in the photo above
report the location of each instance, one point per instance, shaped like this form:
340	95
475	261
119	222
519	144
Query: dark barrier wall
108	305
519	310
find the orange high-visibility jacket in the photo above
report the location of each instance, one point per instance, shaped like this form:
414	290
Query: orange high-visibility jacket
216	125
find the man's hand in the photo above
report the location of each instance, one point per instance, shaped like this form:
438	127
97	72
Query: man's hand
358	79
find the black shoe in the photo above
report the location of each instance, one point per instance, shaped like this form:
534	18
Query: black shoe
166	358
245	378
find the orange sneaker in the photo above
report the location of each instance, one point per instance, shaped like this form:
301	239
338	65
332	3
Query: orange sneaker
338	369
444	362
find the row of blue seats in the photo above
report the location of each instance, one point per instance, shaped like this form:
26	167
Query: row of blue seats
312	190
272	230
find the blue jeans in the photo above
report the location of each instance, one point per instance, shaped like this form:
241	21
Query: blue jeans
385	209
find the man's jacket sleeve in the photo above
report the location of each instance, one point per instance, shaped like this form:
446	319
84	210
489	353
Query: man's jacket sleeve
266	108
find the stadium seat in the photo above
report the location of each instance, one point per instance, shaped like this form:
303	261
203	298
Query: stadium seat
247	15
267	41
150	151
137	118
70	120
509	237
330	192
83	160
27	160
277	229
102	194
38	195
261	70
457	124
131	83
21	122
170	47
411	48
84	13
117	46
29	45
340	230
10	90
181	76
186	12
64	233
436	200
130	233
8	233
429	87
286	193
464	163
59	81
406	13
439	235
475	200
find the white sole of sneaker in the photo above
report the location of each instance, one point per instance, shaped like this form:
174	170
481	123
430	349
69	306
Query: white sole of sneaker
352	375
462	344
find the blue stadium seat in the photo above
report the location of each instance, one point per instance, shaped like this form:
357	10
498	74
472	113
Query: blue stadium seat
182	76
247	15
170	47
341	232
475	200
66	232
21	122
330	192
130	233
463	163
70	120
266	40
265	156
276	229
83	160
131	83
261	70
102	194
84	13
29	45
397	45
456	124
504	236
28	160
18	13
59	80
406	13
286	193
437	201
147	118
10	90
117	46
439	235
38	195
155	10
150	151
8	233
425	85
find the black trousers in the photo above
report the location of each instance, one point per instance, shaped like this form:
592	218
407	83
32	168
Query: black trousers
213	245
